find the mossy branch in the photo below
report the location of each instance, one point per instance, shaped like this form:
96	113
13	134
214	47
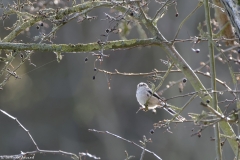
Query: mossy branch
80	47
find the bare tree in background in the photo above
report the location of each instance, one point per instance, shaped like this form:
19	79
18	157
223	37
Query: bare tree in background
122	15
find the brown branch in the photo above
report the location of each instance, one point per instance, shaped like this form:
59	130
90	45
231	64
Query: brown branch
155	71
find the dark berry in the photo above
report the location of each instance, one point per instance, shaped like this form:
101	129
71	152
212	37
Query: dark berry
38	27
208	101
184	80
151	131
93	77
199	135
95	69
86	59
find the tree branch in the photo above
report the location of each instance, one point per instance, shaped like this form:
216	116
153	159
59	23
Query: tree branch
107	132
233	13
120	44
214	103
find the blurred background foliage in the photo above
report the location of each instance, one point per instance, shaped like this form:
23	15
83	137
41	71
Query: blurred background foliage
59	102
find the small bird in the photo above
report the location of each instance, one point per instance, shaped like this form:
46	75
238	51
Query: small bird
146	97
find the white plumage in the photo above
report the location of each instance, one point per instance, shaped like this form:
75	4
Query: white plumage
145	96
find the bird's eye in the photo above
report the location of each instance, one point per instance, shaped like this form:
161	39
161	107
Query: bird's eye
141	84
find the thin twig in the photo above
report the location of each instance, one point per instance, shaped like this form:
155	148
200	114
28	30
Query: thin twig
144	147
213	110
14	118
164	77
182	95
211	123
185	105
40	151
94	130
185	19
154	72
156	16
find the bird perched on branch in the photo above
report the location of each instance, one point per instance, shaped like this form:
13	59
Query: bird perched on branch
147	99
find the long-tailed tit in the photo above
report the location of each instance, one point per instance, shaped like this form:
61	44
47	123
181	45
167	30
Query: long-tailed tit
146	97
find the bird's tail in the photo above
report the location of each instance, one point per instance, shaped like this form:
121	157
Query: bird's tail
173	113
